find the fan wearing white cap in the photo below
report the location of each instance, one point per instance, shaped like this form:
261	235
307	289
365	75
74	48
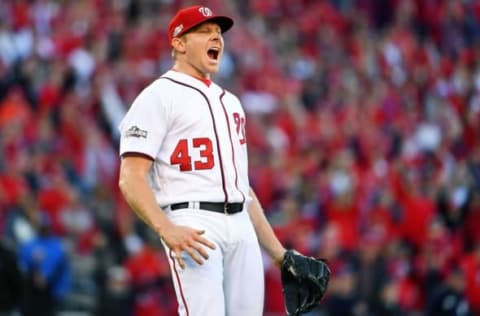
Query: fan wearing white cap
184	171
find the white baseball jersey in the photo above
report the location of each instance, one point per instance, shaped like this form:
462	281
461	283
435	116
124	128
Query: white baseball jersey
196	135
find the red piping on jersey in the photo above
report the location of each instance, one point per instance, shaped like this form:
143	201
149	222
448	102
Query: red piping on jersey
184	301
231	145
206	81
214	130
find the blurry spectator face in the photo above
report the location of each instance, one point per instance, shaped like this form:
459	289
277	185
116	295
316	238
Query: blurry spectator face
290	208
456	280
476	251
345	283
330	245
200	50
389	293
118	279
371	243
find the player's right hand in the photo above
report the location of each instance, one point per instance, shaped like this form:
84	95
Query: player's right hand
190	240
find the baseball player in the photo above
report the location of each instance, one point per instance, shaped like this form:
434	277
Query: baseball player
184	172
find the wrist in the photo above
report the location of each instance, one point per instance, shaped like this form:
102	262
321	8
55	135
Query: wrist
278	257
162	229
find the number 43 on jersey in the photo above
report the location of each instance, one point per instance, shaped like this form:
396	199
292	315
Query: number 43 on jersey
180	155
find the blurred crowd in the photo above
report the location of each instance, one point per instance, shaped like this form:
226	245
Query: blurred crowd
364	147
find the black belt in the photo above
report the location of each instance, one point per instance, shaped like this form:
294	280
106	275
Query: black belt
220	207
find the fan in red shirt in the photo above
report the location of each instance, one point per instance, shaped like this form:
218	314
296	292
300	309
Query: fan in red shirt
470	263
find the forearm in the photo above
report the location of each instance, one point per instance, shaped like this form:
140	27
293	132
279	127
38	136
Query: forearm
141	199
265	234
133	183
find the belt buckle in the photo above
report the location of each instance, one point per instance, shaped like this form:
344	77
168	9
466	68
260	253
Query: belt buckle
225	208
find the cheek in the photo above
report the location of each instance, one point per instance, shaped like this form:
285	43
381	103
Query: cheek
195	55
195	50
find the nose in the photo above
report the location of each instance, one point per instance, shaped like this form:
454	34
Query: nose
217	36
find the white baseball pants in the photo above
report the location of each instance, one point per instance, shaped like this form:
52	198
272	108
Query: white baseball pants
231	281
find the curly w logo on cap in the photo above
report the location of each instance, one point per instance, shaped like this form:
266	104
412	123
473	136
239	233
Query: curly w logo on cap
205	11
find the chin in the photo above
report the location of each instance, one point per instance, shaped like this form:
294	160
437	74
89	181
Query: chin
213	70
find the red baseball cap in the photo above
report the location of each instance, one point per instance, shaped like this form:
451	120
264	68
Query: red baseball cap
189	17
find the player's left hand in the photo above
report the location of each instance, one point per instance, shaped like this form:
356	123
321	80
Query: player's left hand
304	282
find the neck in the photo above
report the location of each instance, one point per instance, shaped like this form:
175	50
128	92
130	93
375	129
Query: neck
191	70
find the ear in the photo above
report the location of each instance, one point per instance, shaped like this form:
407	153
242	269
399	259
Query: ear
178	43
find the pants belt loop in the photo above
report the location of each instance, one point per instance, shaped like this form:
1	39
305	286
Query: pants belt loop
196	205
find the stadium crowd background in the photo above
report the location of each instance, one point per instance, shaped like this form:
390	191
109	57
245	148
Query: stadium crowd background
364	142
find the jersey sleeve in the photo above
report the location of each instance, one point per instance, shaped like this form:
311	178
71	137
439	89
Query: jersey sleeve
143	128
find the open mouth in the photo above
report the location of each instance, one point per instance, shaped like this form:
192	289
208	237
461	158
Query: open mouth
213	53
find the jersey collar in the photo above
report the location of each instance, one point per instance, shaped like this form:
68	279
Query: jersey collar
188	79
